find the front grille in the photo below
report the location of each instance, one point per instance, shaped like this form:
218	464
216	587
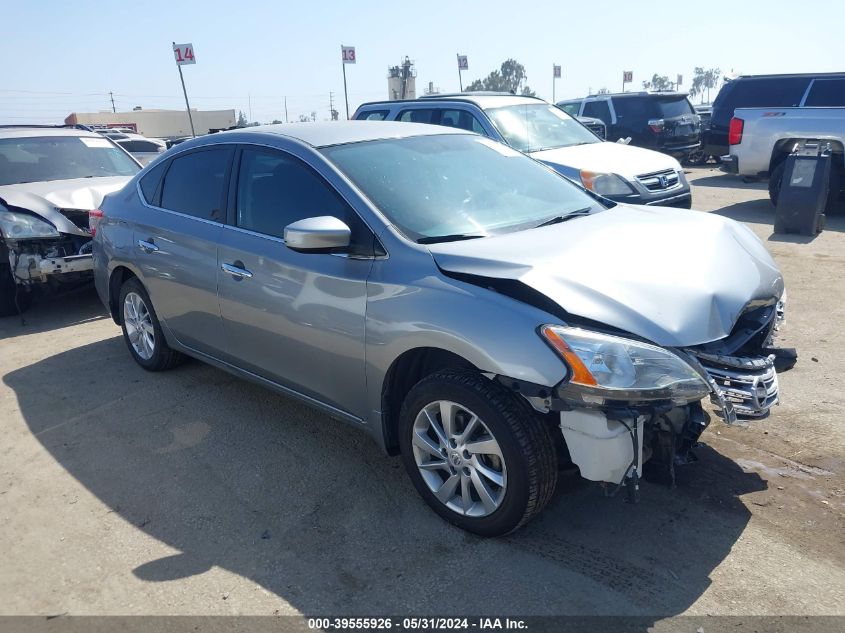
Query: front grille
660	180
749	384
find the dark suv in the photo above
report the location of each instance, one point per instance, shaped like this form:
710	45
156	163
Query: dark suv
662	121
764	91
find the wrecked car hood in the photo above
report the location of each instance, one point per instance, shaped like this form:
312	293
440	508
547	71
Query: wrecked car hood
606	157
674	277
46	198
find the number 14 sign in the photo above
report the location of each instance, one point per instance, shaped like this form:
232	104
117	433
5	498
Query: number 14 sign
184	54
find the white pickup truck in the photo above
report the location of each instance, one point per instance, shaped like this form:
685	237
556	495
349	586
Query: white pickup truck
761	138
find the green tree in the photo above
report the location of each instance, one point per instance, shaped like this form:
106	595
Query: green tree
603	91
510	77
275	121
658	82
241	119
703	80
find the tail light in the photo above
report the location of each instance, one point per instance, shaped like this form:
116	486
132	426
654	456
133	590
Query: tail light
735	131
94	217
656	125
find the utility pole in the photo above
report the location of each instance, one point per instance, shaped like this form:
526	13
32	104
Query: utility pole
249	104
111	94
286	110
331	105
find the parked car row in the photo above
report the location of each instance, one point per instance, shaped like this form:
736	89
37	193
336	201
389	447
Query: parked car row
472	309
142	148
616	171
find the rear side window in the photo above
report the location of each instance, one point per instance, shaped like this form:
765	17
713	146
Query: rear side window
418	115
826	93
195	182
598	110
776	92
373	115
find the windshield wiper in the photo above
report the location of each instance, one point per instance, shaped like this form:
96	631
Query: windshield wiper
434	239
566	216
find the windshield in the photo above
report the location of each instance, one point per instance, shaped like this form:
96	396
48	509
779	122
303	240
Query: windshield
447	186
535	126
38	159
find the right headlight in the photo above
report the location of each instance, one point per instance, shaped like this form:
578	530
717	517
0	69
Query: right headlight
604	367
605	184
21	226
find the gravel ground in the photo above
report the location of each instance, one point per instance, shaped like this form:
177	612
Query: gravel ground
192	492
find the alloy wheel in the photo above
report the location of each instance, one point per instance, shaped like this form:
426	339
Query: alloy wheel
139	325
459	459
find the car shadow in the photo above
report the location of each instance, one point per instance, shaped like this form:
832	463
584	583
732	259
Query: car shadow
235	476
728	181
762	212
55	311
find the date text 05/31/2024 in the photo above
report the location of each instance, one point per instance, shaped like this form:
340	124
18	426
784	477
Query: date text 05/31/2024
417	624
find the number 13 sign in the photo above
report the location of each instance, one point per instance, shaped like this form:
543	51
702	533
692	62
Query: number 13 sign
184	54
347	54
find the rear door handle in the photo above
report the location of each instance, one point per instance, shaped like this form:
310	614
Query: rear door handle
237	270
147	246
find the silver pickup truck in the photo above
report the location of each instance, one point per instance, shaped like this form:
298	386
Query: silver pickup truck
761	138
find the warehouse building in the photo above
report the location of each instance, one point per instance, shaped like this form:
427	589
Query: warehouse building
158	123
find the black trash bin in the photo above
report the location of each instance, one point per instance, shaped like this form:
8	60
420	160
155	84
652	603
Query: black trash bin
804	189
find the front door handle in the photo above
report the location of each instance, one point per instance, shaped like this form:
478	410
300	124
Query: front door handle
148	246
237	270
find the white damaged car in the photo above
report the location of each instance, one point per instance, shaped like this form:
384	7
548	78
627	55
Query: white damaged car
51	179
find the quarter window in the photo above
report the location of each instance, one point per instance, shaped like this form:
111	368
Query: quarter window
195	183
150	184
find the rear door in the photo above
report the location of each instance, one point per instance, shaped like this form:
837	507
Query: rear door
294	318
175	242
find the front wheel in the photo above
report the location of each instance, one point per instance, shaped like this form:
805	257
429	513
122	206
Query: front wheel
482	459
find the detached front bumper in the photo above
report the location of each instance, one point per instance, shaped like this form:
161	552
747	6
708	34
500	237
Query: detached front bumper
730	164
34	268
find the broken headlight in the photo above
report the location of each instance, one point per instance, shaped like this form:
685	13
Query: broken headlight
604	367
21	226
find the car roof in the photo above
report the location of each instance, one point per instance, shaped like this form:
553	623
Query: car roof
780	76
24	131
340	132
483	100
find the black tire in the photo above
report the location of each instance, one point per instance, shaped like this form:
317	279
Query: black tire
776	177
527	448
163	357
13	298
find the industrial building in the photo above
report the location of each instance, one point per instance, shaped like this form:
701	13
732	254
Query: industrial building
158	123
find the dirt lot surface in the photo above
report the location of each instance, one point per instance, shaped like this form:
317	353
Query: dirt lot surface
192	492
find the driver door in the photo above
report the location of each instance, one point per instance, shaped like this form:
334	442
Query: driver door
295	318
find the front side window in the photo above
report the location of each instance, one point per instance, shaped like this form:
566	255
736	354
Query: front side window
461	119
451	186
194	183
39	159
570	108
276	189
532	127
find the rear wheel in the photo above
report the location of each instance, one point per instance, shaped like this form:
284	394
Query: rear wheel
479	457
142	330
13	298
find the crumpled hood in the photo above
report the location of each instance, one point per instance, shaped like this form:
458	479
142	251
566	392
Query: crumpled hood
607	157
46	198
674	277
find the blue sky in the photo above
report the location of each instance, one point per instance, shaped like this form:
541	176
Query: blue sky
57	57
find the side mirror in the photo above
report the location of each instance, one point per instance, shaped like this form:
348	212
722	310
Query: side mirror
317	234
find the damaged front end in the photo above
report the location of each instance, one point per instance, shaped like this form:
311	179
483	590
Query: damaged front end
629	408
